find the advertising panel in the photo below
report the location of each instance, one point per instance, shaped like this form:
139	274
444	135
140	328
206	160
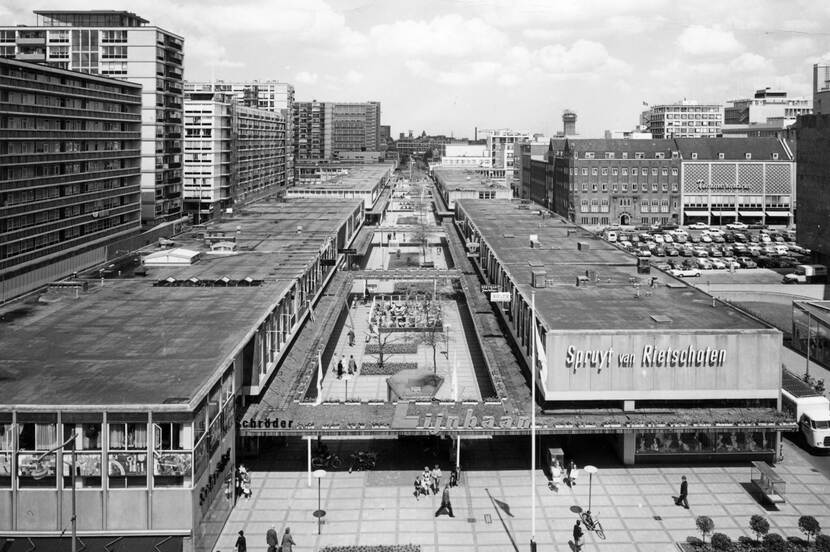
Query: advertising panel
87	464
657	365
173	464
127	463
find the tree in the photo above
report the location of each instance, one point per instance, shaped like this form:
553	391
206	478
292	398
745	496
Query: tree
705	525
809	526
432	335
759	525
722	542
382	340
774	543
823	543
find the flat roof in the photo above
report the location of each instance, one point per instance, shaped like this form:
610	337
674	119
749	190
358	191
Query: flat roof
463	179
130	343
609	300
360	178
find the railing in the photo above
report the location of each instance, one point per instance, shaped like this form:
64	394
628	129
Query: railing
28	182
61	224
65	90
68	156
66	201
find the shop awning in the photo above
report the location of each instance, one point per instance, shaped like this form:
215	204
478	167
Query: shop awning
752	213
723	214
696	213
778	214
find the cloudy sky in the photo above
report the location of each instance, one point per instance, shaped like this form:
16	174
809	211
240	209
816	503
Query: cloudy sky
446	66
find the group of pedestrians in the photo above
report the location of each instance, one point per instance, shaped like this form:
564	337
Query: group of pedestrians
351	363
271	539
243	483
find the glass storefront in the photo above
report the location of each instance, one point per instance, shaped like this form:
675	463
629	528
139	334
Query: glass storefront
809	329
703	442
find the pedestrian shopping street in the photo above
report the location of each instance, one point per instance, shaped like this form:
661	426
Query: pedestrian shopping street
378	507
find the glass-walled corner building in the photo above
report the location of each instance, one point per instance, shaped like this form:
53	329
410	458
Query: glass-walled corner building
811	330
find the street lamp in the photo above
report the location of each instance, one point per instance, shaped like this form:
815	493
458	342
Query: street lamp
43	471
319	513
590	470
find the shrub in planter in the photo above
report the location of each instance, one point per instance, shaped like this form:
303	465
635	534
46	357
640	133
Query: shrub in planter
705	525
388	368
822	543
774	542
694	541
759	525
809	526
722	542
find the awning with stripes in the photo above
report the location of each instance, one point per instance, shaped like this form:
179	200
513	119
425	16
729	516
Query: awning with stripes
752	213
696	213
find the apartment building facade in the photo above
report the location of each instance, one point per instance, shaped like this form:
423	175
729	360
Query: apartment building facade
686	119
312	127
234	154
121	45
269	95
70	170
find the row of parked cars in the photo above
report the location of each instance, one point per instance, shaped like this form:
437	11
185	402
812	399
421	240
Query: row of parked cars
707	248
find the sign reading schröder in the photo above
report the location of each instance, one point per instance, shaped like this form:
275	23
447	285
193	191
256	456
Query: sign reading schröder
650	357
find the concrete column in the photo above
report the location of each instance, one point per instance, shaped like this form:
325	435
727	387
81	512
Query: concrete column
627	444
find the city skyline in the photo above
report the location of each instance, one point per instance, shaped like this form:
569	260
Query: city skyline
441	66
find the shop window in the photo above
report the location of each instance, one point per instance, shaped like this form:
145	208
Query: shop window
678	442
127	459
88	458
6	452
172	466
35	468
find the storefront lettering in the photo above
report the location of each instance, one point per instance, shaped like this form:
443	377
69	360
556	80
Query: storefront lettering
441	421
267	423
652	357
723	187
207	490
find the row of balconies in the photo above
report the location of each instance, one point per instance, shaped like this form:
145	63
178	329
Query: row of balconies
69	91
48	110
17	235
39	158
45	181
68	200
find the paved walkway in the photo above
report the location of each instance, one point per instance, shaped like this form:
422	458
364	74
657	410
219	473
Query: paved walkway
378	508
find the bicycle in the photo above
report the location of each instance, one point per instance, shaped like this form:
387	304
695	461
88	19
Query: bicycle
331	461
362	460
592	523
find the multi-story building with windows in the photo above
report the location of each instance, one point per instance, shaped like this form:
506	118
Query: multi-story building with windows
122	45
69	171
812	216
312	131
234	154
751	180
601	182
768	113
501	144
821	88
270	95
686	119
355	126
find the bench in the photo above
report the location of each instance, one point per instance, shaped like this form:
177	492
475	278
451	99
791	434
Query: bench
767	482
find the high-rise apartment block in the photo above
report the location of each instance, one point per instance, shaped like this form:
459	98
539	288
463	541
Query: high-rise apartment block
686	119
355	126
69	171
501	144
312	130
122	45
821	88
234	154
270	95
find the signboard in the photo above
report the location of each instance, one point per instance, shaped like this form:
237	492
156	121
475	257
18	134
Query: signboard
500	297
348	251
173	464
489	288
88	464
328	262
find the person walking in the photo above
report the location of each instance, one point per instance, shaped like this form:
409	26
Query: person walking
446	505
340	368
351	337
683	500
287	541
241	543
577	536
352	365
571	473
271	539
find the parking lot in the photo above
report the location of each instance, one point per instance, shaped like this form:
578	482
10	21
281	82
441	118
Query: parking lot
698	250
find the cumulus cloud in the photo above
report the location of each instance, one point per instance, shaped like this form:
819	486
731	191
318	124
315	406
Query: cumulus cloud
749	63
460	74
448	35
700	40
354	77
584	56
305	77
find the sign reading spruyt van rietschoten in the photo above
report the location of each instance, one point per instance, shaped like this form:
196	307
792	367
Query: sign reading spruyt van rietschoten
651	356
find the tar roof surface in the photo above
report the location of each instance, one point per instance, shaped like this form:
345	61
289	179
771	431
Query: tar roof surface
609	301
131	343
360	177
455	179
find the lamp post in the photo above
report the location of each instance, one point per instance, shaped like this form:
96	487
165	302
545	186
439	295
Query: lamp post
42	472
319	512
590	470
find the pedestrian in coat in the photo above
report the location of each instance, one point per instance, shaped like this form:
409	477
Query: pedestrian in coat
241	543
571	470
683	500
577	535
351	337
446	505
352	365
340	368
287	541
271	539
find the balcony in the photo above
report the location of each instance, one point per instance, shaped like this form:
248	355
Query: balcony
32	56
31	40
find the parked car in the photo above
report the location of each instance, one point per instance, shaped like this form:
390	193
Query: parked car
704	264
706	238
672	252
718	239
658	238
685	273
668	238
660	251
664	266
701	253
715	252
718	264
687	252
698	226
737	226
644	253
731	263
715	232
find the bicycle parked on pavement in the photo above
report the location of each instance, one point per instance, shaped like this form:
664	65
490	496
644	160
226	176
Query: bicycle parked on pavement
592	523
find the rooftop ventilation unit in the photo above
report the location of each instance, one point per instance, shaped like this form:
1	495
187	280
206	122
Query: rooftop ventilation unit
538	278
583	246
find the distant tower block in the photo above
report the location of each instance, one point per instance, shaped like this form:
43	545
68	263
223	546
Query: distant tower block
569	122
